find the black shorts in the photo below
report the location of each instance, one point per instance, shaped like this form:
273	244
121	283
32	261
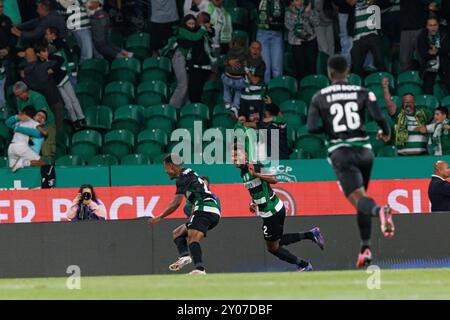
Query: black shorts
352	166
250	107
203	221
273	227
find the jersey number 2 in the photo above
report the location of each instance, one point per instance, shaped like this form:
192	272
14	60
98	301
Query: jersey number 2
350	110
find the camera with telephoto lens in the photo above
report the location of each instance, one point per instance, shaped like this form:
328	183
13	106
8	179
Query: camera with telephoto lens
86	196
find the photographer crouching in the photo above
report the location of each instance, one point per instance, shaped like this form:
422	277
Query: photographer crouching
86	206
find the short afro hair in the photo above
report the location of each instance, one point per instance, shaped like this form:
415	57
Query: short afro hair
338	63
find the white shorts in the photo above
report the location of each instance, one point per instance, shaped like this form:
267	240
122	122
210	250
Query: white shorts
18	151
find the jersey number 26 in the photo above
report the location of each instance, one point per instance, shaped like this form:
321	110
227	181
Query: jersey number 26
350	111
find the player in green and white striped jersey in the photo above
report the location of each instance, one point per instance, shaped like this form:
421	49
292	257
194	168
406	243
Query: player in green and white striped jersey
266	204
205	214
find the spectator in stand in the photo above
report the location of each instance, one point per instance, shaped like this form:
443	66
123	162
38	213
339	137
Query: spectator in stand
37	78
365	39
433	47
408	140
344	9
438	130
55	64
194	7
190	50
34	30
60	47
324	31
100	32
204	20
251	98
439	188
81	31
300	21
26	97
413	15
270	24
221	21
7	43
19	152
86	206
234	74
390	16
273	122
164	18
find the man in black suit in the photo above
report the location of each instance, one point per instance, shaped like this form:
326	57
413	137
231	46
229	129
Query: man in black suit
439	188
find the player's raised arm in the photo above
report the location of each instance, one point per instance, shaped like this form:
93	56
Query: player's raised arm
173	205
314	123
376	114
391	106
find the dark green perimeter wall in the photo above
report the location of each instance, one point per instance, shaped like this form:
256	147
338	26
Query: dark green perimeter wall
291	170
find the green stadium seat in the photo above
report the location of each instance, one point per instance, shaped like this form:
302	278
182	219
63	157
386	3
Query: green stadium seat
159	158
193	112
291	136
151	93
125	69
310	85
4	113
282	89
374	80
129	118
371	127
89	94
446	102
354	79
118	143
93	70
212	93
152	142
4	162
387	151
139	44
135	159
409	82
294	107
312	144
86	144
376	143
70	161
156	68
239	18
163	116
427	101
222	117
439	91
103	160
298	154
118	93
99	118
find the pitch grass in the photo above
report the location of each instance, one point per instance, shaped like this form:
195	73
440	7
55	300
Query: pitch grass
395	284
